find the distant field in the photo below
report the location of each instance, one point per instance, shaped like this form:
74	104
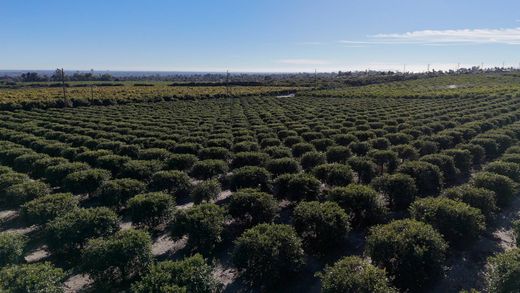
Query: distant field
450	86
45	94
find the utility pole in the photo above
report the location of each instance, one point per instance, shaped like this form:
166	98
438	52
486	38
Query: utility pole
63	85
227	84
315	79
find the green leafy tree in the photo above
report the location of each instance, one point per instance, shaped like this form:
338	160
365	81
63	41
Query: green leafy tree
191	274
37	277
150	209
69	233
394	247
353	274
320	225
123	256
204	225
12	246
267	253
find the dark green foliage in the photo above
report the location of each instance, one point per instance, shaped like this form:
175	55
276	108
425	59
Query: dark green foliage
154	154
141	169
251	207
301	148
282	166
174	182
202	223
320	225
187	148
428	177
267	253
398	188
214	153
69	232
359	148
458	222
249	159
86	181
511	170
405	152
338	154
333	174
25	163
364	205
480	198
353	274
445	164
123	256
40	166
503	273
477	152
503	187
206	191
365	169
37	277
181	162
250	177
191	274
20	193
115	193
150	209
114	163
297	187
208	169
394	247
312	159
462	159
278	152
12	247
45	208
55	174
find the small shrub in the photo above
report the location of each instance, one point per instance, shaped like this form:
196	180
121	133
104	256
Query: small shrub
458	222
503	273
398	188
251	207
150	209
250	177
202	223
181	162
302	187
338	154
141	169
21	193
46	208
36	277
394	247
428	177
353	274
123	256
365	169
365	206
86	181
267	253
334	174
69	232
249	159
206	191
312	159
320	225
503	187
116	192
208	169
12	246
174	182
282	166
480	198
191	274
511	170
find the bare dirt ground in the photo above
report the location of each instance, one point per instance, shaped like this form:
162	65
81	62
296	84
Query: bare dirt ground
467	268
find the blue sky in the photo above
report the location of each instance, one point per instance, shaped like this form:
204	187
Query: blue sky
258	35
